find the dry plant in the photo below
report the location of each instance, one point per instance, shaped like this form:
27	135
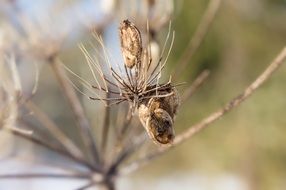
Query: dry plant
137	88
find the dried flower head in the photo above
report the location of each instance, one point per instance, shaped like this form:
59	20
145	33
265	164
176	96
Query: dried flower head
155	103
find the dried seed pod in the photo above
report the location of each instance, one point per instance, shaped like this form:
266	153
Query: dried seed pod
157	116
160	127
131	43
169	103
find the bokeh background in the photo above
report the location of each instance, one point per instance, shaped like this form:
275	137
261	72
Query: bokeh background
245	150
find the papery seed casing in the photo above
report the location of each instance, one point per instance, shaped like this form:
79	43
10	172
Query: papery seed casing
131	43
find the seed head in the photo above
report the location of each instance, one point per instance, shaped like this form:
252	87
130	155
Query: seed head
155	103
157	116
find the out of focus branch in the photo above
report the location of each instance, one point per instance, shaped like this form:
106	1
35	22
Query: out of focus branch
195	85
105	129
54	130
54	148
45	175
198	37
90	184
80	116
281	58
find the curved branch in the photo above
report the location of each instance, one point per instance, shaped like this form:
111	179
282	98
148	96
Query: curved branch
281	58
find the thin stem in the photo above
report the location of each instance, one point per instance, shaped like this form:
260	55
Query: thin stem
15	75
80	116
122	131
281	58
155	88
195	85
45	175
20	131
128	76
88	185
105	90
105	129
120	79
200	33
126	123
55	148
107	185
126	153
54	130
107	99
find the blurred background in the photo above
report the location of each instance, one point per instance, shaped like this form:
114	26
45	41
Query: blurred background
245	150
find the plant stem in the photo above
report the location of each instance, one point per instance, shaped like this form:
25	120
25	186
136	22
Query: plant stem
80	116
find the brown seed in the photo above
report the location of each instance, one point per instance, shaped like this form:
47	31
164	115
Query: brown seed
160	127
169	103
131	43
157	116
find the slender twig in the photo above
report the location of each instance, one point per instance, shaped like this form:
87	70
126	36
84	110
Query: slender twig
54	129
18	130
121	132
126	153
200	33
105	128
88	185
15	75
45	175
126	123
55	148
195	85
36	84
281	58
83	124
